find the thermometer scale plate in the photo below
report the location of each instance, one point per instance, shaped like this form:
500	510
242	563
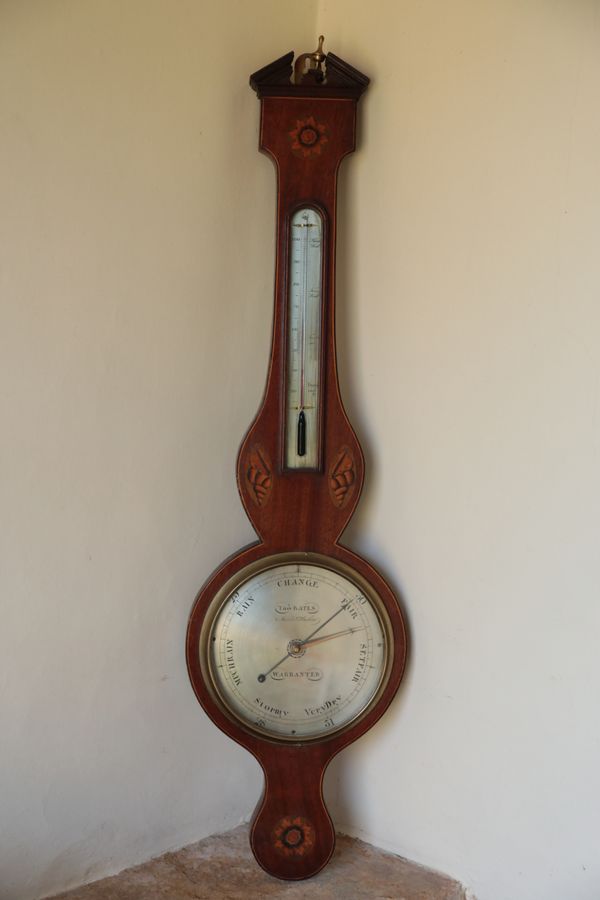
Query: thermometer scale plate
304	347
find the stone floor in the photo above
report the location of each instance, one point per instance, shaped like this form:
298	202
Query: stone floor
223	867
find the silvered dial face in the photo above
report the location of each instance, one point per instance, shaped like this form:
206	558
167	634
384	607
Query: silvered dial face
297	649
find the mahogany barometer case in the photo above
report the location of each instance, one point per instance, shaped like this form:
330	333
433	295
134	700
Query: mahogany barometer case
296	645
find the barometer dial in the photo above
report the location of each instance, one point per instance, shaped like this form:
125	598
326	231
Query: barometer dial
297	649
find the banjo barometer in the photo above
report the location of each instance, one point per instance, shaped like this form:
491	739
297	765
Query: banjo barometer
296	645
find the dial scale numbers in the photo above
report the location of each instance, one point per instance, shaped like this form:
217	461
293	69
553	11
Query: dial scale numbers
297	651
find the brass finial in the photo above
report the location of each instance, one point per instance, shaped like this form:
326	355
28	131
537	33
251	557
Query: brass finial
310	65
318	55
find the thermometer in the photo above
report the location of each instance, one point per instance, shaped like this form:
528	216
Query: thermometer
304	340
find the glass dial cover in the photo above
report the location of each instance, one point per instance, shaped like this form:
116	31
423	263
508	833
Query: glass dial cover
296	648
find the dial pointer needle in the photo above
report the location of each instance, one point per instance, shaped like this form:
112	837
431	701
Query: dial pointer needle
262	677
326	622
328	637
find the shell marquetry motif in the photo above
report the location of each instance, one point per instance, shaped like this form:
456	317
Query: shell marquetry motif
259	476
342	477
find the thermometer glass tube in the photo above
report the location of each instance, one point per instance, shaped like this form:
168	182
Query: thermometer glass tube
303	393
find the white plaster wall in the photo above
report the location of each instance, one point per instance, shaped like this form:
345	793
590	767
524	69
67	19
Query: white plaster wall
131	286
469	303
136	273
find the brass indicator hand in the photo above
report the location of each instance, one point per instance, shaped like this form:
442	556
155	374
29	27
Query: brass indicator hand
328	637
296	646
